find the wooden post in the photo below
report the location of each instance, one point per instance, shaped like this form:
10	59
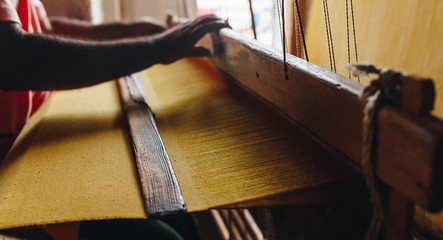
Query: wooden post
417	98
400	217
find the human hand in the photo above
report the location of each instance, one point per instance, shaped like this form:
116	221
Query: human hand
179	41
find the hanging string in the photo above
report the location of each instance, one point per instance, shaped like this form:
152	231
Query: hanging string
347	35
382	91
355	38
252	20
267	222
230	224
297	34
329	36
281	14
301	29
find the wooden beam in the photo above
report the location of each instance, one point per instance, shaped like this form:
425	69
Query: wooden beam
328	106
400	217
159	185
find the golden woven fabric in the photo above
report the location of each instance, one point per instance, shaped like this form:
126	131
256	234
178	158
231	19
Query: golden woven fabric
224	151
74	162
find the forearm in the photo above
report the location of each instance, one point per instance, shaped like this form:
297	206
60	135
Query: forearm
44	62
85	30
41	62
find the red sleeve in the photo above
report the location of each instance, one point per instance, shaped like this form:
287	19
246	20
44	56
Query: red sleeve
8	12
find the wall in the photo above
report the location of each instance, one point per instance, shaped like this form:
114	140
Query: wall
137	8
80	9
404	34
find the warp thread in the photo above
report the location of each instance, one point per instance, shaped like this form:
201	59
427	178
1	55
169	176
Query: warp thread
382	91
266	221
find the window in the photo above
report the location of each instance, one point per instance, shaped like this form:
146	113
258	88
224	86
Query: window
239	16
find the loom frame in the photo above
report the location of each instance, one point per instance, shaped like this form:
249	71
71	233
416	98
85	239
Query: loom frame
329	108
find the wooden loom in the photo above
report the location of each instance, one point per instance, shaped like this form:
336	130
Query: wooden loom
337	123
409	139
418	169
297	99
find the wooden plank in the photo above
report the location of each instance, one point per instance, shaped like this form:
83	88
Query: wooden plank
417	95
329	108
400	217
417	98
159	185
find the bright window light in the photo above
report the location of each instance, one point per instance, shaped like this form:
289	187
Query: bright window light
237	11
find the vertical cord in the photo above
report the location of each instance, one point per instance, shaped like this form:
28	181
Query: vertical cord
266	222
301	29
230	223
347	35
355	38
327	35
330	35
284	38
252	20
281	14
297	33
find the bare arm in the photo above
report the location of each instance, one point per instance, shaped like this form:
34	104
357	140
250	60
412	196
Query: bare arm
43	62
79	29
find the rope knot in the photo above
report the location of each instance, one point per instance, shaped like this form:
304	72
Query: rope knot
384	90
389	82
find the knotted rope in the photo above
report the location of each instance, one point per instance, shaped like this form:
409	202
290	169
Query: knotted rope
382	91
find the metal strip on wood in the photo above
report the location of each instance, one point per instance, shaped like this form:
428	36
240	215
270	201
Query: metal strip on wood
159	185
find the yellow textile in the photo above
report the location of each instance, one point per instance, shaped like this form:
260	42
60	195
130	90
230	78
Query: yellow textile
74	161
222	151
403	34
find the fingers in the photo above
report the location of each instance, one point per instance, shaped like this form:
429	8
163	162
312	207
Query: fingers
180	40
209	26
199	52
170	19
199	27
191	32
206	18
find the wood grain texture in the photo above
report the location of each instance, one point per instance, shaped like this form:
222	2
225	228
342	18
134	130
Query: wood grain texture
224	151
328	106
160	189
